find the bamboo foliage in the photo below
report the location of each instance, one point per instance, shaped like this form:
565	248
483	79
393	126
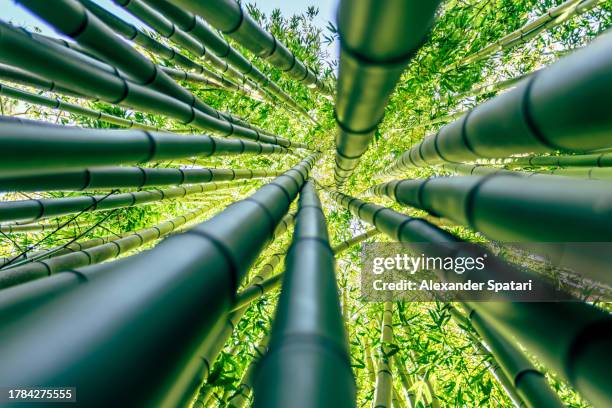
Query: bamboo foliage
242	396
307	342
548	330
542	114
551	18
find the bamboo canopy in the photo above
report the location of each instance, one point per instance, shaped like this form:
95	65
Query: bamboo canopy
377	40
542	114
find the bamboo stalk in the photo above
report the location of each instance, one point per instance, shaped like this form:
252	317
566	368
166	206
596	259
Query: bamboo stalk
529	382
539	115
33	148
267	283
56	103
32	210
568	337
229	17
585	160
89	77
368	74
195	26
98	178
170	31
384	379
25	228
308	341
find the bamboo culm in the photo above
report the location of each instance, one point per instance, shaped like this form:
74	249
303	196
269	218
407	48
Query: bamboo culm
371	62
307	342
127	177
35	209
33	148
229	17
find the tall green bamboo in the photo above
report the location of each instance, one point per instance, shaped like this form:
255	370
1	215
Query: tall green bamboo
405	381
126	177
562	107
377	39
85	76
168	29
165	283
195	26
384	379
241	398
229	17
132	33
490	361
570	338
518	209
552	18
33	148
19	76
584	160
308	346
113	248
529	382
35	209
590	173
24	228
56	103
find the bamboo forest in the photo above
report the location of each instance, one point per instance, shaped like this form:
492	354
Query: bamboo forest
188	189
